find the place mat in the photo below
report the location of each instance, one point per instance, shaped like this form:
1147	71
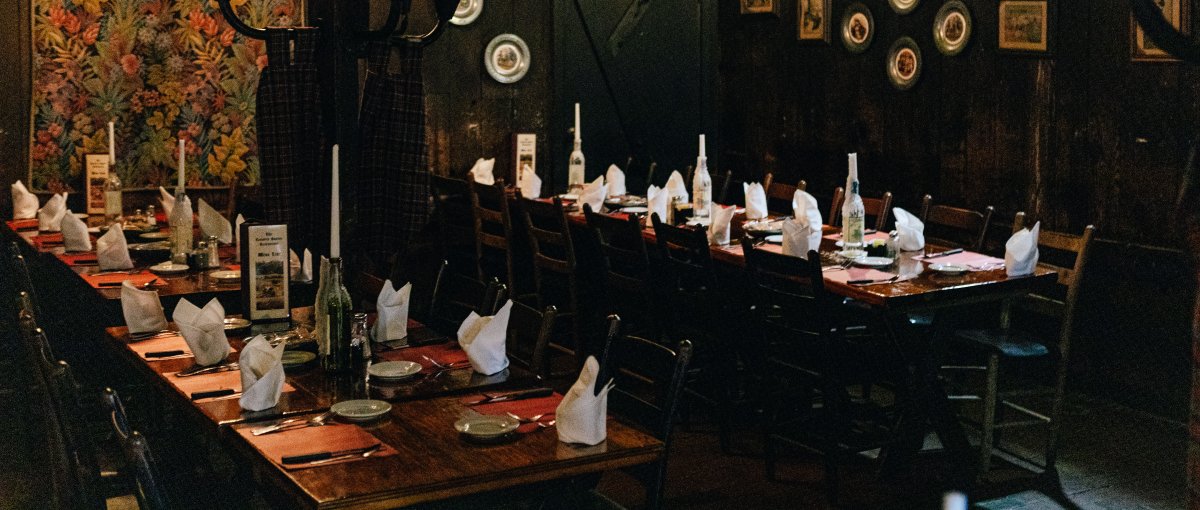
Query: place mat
866	238
51	239
526	408
227	380
160	344
858	273
966	258
78	259
26	224
446	353
114	280
305	440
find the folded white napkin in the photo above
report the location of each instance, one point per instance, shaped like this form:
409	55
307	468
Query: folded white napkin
756	200
392	307
803	232
50	215
530	183
75	233
25	204
112	252
656	202
582	415
616	181
262	374
483	339
204	330
167	200
1021	251
237	237
482	171
718	228
594	194
212	223
142	309
301	270
676	188
910	229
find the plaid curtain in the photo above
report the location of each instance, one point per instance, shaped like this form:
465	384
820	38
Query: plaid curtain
392	178
290	139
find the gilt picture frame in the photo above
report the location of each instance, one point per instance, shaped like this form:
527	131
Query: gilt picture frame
1025	27
760	6
812	21
1142	49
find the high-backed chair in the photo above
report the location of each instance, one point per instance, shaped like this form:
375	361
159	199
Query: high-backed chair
1010	345
529	332
955	226
493	232
720	186
147	482
455	296
555	269
456	223
880	209
780	194
627	275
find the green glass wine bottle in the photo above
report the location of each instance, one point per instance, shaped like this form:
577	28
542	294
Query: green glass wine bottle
338	312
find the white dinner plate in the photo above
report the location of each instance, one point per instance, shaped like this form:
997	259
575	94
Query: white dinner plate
169	268
635	210
236	323
361	410
774	239
874	261
948	269
764	226
569	196
154	236
486	426
93	230
394	369
226	276
82	216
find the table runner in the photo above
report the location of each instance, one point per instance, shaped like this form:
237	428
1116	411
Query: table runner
26	224
87	258
527	408
329	437
113	280
161	344
227	380
447	353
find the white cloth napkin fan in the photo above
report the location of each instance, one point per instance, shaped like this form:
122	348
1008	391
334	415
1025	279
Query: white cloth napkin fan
483	339
112	252
616	181
657	202
910	231
167	200
25	204
50	215
594	194
530	184
802	233
718	229
392	307
204	330
482	171
213	224
261	367
1021	251
142	309
756	200
582	416
676	188
75	234
301	269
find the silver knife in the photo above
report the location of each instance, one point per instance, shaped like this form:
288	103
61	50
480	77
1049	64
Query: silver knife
197	369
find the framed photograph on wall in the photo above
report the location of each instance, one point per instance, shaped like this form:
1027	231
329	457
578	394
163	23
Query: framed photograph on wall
1024	26
95	177
812	20
760	6
1141	48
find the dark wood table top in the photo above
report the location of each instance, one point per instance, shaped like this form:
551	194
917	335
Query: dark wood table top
434	463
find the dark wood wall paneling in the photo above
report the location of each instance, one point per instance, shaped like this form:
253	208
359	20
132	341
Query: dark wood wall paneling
14	103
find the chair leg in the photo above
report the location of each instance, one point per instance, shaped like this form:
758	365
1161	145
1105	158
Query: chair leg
988	423
1060	387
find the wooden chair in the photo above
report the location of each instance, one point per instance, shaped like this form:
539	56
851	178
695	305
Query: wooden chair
555	268
529	333
720	186
455	296
650	171
147	483
626	270
493	232
1011	344
20	278
455	220
649	380
780	195
954	226
878	208
804	367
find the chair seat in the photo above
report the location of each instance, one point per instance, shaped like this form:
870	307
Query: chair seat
1012	344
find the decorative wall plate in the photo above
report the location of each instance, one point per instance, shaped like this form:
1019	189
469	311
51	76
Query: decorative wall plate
904	63
858	28
467	11
952	28
507	58
903	6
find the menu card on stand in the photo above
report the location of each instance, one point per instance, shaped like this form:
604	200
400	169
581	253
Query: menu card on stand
525	153
96	176
265	270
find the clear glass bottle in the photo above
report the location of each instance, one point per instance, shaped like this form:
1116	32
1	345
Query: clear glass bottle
360	343
701	189
575	170
151	218
319	318
214	254
112	196
338	314
200	256
853	218
181	227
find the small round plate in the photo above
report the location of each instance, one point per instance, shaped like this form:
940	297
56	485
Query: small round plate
506	58
569	196
467	11
903	6
361	410
154	246
764	227
635	210
293	359
948	269
394	369
82	216
952	28
486	426
236	323
858	28
155	236
851	254
226	276
874	261
169	268
774	239
904	63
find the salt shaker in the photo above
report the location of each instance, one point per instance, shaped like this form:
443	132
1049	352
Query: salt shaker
150	217
214	258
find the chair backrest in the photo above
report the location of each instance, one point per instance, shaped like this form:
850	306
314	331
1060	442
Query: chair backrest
878	208
720	186
149	492
649	379
788	292
780	194
549	236
21	280
493	230
650	171
528	335
955	226
80	449
455	296
684	254
1059	301
627	263
455	217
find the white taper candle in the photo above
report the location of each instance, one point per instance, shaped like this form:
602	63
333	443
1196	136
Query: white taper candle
703	152
334	212
577	135
112	146
182	162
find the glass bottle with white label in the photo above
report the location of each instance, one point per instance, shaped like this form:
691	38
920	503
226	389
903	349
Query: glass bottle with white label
575	170
112	196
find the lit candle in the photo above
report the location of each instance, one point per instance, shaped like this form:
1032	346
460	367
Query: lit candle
182	161
577	135
334	212
854	165
702	150
112	147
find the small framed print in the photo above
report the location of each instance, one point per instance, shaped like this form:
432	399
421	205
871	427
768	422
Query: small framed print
95	177
524	155
1142	48
265	271
760	6
1024	26
812	20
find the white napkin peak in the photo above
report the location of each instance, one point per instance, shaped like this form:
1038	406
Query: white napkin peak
910	230
1021	251
213	224
75	234
582	415
50	215
484	340
112	252
261	368
142	309
756	200
616	181
25	204
392	307
204	330
482	171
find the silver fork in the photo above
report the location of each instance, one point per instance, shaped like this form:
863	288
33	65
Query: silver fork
450	366
531	419
315	421
837	267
